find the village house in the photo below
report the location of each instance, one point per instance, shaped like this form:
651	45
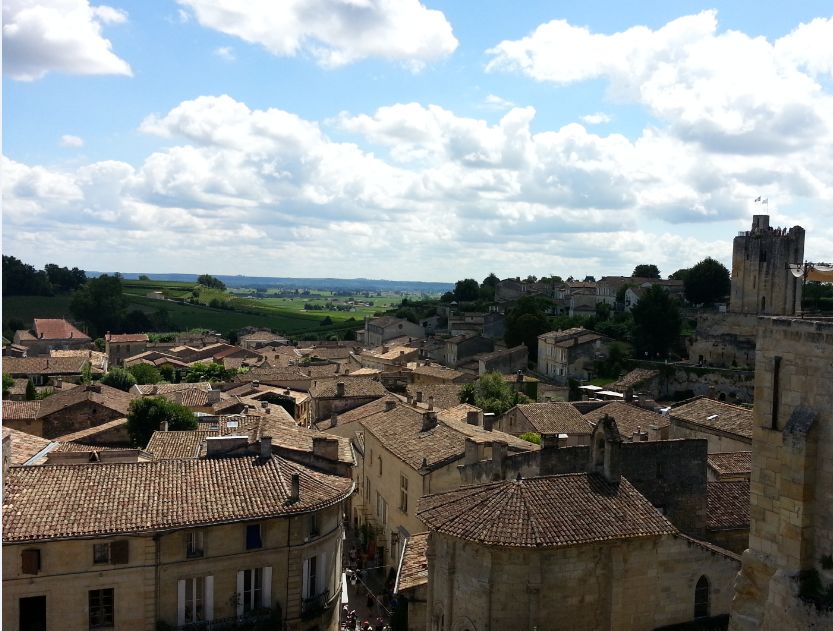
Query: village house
412	582
426	373
120	346
569	354
433	397
51	334
561	419
184	546
505	361
46	370
490	324
730	466
461	347
727	427
257	340
378	331
497	553
334	396
388	357
635	423
347	423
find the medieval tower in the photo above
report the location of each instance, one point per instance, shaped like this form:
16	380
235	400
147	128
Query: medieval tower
761	280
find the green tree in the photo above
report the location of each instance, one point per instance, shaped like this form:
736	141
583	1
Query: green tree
707	282
119	378
656	323
490	281
207	280
680	274
143	277
136	321
208	371
447	297
145	374
525	322
100	303
20	279
646	271
31	392
146	415
8	382
63	278
466	290
531	437
492	393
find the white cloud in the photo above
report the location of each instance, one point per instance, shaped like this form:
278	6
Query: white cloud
598	118
226	53
726	91
58	36
334	32
68	140
494	102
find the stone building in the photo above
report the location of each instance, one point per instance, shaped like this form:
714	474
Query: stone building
462	347
51	334
377	331
561	419
332	396
762	283
411	587
499	557
120	346
635	423
505	361
727	427
569	354
787	568
133	546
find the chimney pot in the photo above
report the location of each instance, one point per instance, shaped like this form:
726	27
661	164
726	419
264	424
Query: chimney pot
164	426
473	417
628	395
389	405
429	421
287	392
296	487
266	447
488	419
430	403
333	419
255	384
340	389
419	396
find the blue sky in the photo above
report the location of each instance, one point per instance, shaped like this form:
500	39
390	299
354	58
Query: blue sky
398	139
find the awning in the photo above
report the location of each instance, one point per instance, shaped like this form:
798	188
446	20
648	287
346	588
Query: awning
611	393
813	271
590	388
345	599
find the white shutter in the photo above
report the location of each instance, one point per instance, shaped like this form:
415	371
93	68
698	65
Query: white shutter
209	598
305	583
240	594
266	593
180	602
323	573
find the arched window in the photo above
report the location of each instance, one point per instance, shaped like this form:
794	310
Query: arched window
701	598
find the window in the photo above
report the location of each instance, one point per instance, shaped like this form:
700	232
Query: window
253	539
193	600
194	544
312	577
254	589
403	493
380	464
701	598
30	561
367	490
101	608
115	552
381	508
313	525
101	553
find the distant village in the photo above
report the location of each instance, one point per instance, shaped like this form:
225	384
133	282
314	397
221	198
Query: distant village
441	467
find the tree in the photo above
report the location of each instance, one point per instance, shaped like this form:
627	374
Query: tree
31	392
63	278
146	415
100	303
447	297
491	393
525	323
466	290
8	382
119	378
645	271
143	277
20	279
136	321
201	371
656	322
490	281
207	280
145	374
680	274
707	282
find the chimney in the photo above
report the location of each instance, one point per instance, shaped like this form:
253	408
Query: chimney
429	421
549	441
59	382
264	404
287	392
628	395
178	397
409	399
488	419
295	493
419	396
213	396
164	426
499	450
472	452
325	447
605	447
265	447
255	384
389	405
340	389
430	403
333	419
385	349
473	417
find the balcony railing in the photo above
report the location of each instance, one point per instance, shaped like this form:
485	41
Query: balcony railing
311	607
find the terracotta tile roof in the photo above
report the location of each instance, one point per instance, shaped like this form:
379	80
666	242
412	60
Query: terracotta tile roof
57	329
727	505
446	395
551	511
97	360
190	398
731	463
166	388
458	413
413	570
90	432
555	418
480	435
400	431
353	387
632	379
126	338
629	418
262	336
44	365
178	444
24	446
14	410
324	352
106	396
570	337
68	501
731	419
438	372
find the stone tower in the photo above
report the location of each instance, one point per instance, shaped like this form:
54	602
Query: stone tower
791	490
761	282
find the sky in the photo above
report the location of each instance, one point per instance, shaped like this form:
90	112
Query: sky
411	140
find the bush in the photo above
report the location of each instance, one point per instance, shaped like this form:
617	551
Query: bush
145	374
531	437
119	378
146	416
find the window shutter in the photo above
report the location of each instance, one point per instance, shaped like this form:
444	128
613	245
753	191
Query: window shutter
305	584
119	551
266	593
180	602
323	573
30	561
239	594
209	598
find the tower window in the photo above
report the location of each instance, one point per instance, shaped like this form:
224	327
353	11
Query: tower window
701	598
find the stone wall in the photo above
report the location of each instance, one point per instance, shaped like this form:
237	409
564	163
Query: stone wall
724	339
719	442
82	415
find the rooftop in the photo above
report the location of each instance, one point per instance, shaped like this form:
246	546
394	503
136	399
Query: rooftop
551	511
555	418
14	410
83	500
57	329
126	338
731	463
718	415
24	446
727	505
446	395
629	418
106	396
353	387
44	365
570	337
633	379
413	570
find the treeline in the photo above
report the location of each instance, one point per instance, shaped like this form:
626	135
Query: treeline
21	279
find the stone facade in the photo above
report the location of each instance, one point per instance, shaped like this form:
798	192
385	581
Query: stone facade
506	361
791	514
